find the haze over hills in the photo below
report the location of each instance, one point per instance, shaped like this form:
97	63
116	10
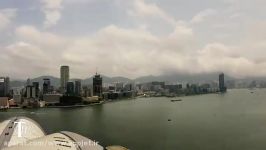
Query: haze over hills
189	78
55	81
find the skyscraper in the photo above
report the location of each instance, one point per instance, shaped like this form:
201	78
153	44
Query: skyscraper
28	82
7	86
70	88
222	87
46	85
36	87
4	86
64	78
77	87
97	85
30	91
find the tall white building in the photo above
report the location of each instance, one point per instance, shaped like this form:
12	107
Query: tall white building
64	78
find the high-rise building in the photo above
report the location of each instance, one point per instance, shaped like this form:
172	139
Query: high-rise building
87	91
46	85
77	87
28	82
222	87
30	91
64	78
70	88
4	86
36	87
97	85
7	86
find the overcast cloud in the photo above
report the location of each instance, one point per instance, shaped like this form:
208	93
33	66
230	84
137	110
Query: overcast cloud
132	37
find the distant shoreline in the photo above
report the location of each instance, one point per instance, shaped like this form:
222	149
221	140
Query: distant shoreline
108	101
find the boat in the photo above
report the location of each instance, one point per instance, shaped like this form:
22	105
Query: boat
176	100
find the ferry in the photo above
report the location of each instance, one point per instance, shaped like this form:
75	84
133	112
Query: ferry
176	100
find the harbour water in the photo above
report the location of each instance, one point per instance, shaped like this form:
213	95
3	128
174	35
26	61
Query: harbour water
232	121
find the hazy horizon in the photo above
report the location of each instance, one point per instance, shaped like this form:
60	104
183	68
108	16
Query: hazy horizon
132	38
179	77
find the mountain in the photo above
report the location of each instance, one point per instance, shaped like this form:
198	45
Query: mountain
17	83
56	81
107	79
191	78
173	78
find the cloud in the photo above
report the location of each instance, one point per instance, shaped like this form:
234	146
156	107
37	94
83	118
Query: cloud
150	41
181	36
44	39
23	60
51	9
129	52
217	57
143	10
201	16
34	53
25	51
78	1
6	15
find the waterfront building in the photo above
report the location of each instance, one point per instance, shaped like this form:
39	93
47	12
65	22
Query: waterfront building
46	85
187	86
77	87
30	91
17	98
51	99
111	88
37	89
119	86
128	87
222	87
87	91
161	84
175	88
97	85
7	86
4	86
28	82
4	102
64	78
70	88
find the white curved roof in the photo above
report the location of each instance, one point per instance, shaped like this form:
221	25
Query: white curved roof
33	137
11	133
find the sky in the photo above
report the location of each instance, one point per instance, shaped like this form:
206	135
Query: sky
132	38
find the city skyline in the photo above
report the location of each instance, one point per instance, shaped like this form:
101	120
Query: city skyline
169	74
132	38
183	76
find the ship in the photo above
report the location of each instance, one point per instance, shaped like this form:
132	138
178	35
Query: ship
176	100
